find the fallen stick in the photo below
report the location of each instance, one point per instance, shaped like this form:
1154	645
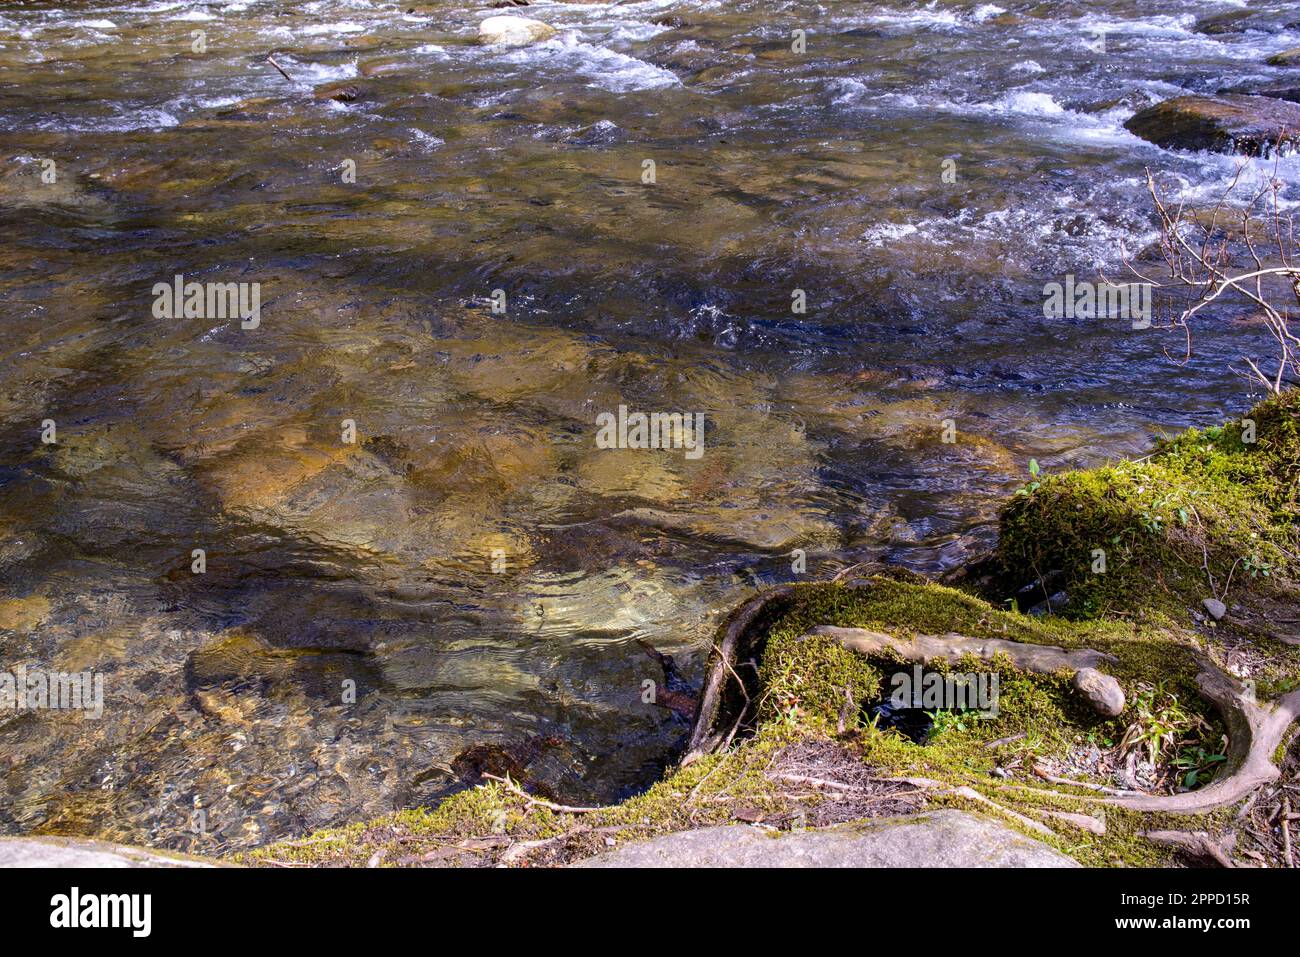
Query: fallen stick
1286	832
962	791
1009	739
540	802
270	58
1067	782
818	782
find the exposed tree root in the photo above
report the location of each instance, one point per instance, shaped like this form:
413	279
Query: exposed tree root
1040	659
1197	843
704	738
1254	732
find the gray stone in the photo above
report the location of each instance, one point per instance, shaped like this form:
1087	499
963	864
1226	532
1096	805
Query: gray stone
1286	58
1216	608
945	838
1102	691
82	852
514	31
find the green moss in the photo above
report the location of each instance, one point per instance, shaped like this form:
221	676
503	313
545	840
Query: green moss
1204	505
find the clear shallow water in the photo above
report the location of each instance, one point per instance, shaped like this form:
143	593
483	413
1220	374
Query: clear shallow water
481	169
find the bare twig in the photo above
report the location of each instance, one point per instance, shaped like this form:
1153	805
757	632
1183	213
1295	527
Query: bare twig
270	58
540	802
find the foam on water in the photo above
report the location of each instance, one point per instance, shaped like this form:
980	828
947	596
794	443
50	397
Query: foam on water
607	69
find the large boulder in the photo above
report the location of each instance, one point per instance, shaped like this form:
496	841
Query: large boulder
1252	125
514	31
83	852
946	838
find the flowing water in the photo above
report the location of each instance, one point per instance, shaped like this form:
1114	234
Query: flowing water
473	564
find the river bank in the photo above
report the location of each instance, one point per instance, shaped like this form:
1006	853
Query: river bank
811	754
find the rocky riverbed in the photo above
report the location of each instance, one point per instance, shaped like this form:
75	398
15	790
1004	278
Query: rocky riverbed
417	564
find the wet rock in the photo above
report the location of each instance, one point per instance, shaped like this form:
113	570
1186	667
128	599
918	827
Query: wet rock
1051	605
1291	93
938	839
338	92
381	65
1251	125
1216	608
600	133
81	852
1285	58
1102	691
1239	21
514	31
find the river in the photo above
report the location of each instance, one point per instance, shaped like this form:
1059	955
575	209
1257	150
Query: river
410	545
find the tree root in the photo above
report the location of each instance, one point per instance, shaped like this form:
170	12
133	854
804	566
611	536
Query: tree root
1254	732
735	640
1197	843
1040	659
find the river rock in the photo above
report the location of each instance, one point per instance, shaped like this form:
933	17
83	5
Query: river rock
1291	93
1285	58
946	838
1252	125
80	852
342	92
514	31
1216	608
1102	691
1239	21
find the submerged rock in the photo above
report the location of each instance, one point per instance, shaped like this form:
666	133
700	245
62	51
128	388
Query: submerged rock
1239	21
342	92
1252	125
937	839
514	31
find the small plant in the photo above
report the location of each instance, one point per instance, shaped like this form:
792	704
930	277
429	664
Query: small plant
1033	485
790	714
942	722
1199	764
1257	567
1160	720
